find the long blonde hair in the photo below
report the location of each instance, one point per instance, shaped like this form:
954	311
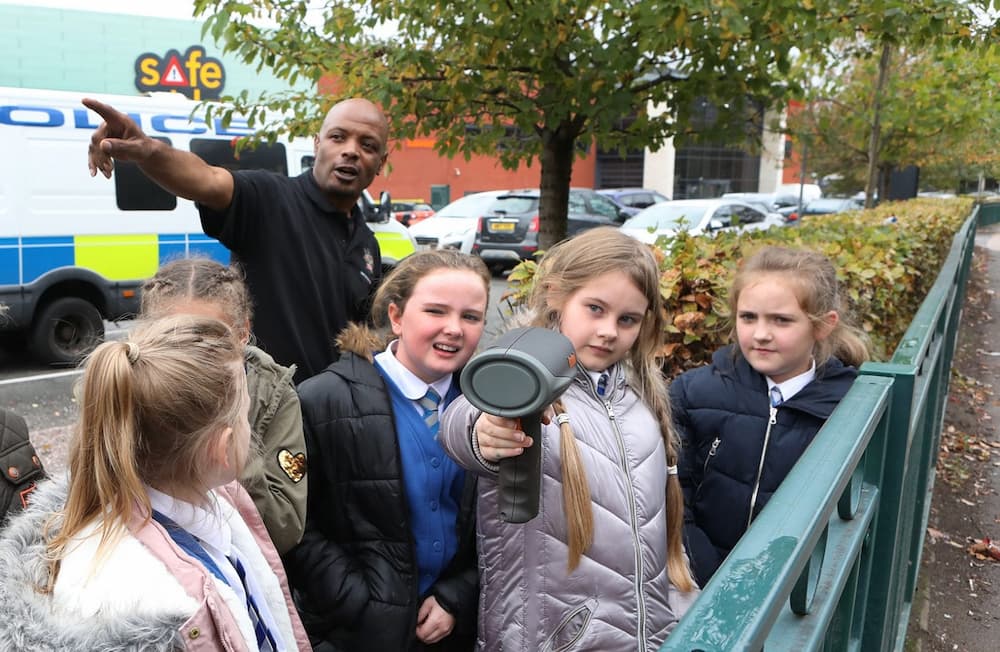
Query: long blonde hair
563	270
813	278
149	408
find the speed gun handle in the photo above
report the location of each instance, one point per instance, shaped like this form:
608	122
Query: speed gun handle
520	479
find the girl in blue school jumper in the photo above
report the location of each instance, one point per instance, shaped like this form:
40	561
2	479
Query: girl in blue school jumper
387	561
746	418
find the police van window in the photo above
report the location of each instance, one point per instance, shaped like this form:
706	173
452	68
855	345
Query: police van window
134	191
264	156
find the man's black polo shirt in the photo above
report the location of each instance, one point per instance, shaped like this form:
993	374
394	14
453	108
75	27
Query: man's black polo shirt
309	267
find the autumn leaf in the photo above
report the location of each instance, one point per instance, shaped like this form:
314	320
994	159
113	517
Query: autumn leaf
688	320
985	549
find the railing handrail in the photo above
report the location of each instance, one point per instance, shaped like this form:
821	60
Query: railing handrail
785	533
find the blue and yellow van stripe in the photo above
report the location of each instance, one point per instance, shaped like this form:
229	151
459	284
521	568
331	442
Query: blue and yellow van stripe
120	257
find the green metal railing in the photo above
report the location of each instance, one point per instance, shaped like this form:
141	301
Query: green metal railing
831	562
989	213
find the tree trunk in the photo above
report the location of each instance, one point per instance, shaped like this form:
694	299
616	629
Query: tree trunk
873	139
557	168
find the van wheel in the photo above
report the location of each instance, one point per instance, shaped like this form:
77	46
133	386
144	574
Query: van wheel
66	330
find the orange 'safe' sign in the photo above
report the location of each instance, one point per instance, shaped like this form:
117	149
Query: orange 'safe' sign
193	74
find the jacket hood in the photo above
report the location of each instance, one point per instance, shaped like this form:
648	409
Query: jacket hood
31	623
361	340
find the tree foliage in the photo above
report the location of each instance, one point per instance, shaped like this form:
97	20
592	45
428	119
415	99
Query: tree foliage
522	80
935	108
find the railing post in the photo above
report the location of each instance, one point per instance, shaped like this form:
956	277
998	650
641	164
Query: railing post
881	619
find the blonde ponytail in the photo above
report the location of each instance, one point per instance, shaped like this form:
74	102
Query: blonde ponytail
576	493
148	408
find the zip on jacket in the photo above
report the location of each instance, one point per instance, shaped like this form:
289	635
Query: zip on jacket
633	524
772	419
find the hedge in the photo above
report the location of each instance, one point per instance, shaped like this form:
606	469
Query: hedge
886	258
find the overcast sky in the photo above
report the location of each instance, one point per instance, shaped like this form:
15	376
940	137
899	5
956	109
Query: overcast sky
160	8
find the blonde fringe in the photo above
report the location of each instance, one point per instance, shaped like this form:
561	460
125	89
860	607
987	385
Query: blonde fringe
576	495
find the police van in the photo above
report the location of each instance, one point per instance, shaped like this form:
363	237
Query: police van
74	249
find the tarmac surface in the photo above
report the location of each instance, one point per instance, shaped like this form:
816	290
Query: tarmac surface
957	602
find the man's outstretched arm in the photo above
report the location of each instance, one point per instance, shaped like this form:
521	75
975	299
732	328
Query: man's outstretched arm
183	173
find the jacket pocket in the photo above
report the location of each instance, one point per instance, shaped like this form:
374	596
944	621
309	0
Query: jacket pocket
571	628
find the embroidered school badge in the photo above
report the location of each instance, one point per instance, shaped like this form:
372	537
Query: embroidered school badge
294	466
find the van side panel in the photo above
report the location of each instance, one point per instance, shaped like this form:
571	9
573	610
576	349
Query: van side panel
62	232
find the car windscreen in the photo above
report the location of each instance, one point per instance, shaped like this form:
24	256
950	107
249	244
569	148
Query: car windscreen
827	205
664	216
468	206
513	205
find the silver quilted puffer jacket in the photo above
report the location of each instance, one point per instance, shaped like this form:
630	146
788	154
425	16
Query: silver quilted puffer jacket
619	597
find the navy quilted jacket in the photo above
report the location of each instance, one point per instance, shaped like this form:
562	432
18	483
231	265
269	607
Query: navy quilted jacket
354	573
721	412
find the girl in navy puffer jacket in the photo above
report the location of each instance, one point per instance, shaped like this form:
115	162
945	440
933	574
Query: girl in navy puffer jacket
747	417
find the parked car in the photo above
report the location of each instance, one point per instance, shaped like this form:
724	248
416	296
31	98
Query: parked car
809	191
411	211
454	226
633	200
783	203
697	217
828	205
509	232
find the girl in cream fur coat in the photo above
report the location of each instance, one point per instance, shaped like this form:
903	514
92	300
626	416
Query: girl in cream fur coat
150	544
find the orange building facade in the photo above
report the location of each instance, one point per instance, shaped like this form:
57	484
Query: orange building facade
414	170
414	167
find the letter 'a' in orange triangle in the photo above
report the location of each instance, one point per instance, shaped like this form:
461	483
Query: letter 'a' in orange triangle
173	74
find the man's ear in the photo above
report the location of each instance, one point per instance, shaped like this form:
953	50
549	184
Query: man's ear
316	144
826	325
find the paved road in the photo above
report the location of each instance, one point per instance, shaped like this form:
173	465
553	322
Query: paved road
44	396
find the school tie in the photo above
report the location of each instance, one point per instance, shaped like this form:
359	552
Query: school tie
776	397
602	384
265	642
429	402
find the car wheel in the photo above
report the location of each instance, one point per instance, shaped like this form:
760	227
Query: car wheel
65	330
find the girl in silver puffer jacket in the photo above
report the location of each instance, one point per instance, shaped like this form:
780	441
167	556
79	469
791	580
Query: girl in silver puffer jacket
597	568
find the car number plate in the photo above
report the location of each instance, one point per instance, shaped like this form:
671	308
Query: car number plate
502	227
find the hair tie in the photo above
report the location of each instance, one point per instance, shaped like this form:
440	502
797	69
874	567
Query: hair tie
672	470
562	418
132	352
